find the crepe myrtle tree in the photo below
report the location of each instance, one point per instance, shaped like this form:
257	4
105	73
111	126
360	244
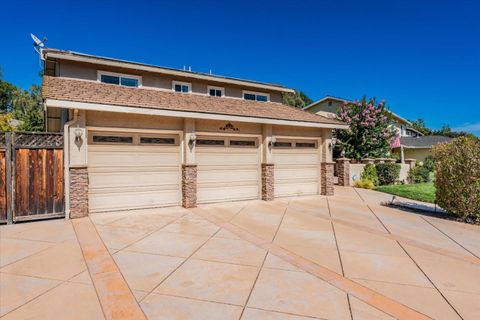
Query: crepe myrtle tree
370	129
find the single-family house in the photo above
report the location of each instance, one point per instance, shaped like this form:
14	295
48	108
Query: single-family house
328	106
418	148
142	136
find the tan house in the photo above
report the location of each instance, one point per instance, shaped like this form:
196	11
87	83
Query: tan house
418	148
142	136
328	106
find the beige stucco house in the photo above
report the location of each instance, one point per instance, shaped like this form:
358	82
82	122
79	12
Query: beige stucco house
142	136
418	148
328	106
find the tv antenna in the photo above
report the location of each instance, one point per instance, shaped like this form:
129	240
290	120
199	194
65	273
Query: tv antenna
38	44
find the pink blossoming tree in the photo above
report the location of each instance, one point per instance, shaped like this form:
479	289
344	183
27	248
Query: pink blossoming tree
370	129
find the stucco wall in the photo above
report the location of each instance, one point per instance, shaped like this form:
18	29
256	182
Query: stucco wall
324	107
132	121
87	71
356	170
419	154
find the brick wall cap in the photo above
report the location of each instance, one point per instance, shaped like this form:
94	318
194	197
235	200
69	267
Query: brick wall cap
268	164
185	165
343	159
410	160
332	163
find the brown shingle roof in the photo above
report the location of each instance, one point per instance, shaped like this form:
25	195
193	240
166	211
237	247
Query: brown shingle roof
94	92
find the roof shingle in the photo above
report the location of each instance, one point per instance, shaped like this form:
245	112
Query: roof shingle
94	92
423	141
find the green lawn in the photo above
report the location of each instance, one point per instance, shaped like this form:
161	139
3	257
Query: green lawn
420	191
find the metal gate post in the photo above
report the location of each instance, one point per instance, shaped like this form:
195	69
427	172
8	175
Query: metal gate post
9	178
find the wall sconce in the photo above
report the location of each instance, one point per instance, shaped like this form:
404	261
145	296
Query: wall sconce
192	139
78	134
330	146
272	141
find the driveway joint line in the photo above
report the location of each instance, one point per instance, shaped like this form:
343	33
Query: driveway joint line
180	265
375	299
263	263
448	236
112	260
417	265
339	257
430	280
287	313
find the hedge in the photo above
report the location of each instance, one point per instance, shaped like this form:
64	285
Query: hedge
457	176
388	173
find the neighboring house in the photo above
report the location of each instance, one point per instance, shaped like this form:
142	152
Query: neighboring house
418	148
142	136
328	106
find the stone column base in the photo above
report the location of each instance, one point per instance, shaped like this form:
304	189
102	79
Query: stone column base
268	178
78	192
327	178
189	185
343	168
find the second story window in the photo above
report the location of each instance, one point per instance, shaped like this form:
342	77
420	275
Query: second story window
119	79
216	91
256	96
183	87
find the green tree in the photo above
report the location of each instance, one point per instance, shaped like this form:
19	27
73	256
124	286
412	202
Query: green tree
446	131
370	129
421	126
298	99
28	109
23	105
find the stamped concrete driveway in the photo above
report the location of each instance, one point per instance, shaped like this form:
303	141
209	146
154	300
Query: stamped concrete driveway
341	257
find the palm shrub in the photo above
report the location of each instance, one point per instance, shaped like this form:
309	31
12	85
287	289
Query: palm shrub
370	173
457	176
388	173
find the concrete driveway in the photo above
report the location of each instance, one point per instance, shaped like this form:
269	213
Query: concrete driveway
341	257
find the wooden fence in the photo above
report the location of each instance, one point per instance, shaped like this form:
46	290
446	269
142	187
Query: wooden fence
31	179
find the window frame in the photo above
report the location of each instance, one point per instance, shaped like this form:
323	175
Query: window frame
256	93
222	90
120	76
189	84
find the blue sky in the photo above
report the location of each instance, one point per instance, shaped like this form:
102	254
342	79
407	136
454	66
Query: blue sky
422	57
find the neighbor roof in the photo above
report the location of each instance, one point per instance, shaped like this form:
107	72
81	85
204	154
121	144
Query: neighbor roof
51	53
423	141
85	91
396	116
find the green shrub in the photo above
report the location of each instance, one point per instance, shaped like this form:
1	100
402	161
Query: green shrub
429	163
387	173
419	174
457	176
370	173
364	184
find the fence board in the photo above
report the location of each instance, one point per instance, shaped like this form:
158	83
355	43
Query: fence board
33	163
3	186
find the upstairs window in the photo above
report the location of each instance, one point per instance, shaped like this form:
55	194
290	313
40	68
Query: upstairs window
119	79
216	91
183	87
256	96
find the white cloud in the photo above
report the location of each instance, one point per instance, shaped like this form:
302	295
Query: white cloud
469	127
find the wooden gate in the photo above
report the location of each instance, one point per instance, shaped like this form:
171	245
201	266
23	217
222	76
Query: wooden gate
33	185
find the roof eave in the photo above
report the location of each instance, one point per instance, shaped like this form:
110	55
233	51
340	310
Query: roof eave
55	103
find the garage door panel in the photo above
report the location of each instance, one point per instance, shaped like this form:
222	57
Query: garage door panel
210	174
129	176
207	194
140	199
227	173
297	171
124	179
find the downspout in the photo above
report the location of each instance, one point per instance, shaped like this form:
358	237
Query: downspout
66	161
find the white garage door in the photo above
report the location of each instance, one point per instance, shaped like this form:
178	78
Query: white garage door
131	171
297	168
228	169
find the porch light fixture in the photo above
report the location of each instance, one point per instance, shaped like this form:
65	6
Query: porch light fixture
272	141
78	134
192	139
